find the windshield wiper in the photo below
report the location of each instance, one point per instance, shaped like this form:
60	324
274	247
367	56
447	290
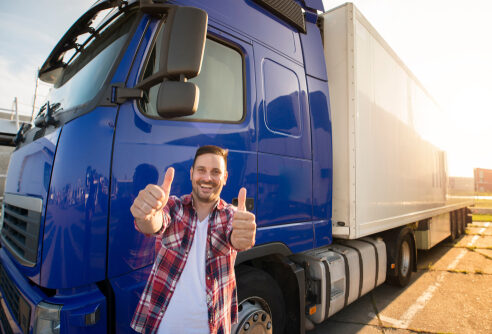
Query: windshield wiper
46	115
20	136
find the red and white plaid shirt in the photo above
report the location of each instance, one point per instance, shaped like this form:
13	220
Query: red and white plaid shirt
176	237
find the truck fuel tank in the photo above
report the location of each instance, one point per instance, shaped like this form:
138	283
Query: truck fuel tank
342	272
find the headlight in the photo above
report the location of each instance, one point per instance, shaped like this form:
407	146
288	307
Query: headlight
47	319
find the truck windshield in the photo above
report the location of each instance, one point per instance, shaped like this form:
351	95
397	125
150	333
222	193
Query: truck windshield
84	76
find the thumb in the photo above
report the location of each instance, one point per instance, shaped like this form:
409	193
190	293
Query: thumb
241	200
168	180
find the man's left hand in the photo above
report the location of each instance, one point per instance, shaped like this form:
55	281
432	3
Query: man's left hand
243	225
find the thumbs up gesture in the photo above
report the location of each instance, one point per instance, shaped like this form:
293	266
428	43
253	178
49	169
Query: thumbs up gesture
243	225
147	207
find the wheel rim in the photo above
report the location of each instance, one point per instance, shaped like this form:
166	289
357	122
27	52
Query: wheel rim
405	258
254	317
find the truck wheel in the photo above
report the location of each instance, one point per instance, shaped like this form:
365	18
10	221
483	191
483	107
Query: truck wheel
261	303
405	262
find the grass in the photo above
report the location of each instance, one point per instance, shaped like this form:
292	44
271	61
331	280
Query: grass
482	218
483	202
466	272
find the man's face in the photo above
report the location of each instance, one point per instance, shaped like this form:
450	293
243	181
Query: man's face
208	176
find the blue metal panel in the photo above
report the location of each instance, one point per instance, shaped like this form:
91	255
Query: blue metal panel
284	190
315	4
29	174
127	290
322	233
74	246
154	145
298	237
322	149
312	47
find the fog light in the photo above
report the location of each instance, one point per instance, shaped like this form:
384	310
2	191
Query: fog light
47	319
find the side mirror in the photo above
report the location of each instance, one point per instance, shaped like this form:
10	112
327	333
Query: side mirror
181	53
177	98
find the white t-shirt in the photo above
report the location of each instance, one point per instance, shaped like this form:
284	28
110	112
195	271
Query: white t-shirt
187	311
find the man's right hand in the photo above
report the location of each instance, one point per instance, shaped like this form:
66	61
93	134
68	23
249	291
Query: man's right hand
147	207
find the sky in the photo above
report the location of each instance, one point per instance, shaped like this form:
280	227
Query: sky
446	44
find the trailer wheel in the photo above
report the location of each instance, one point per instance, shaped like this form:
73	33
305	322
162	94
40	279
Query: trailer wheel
404	263
261	307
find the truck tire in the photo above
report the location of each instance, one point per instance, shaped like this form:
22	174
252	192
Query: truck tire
261	307
405	262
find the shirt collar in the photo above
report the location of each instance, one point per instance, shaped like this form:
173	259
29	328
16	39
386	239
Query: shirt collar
187	200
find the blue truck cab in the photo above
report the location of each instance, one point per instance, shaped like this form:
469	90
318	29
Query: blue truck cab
71	260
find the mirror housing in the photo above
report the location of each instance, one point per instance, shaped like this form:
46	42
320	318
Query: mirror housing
182	46
177	98
181	55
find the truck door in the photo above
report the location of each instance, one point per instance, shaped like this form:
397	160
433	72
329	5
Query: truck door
146	145
284	142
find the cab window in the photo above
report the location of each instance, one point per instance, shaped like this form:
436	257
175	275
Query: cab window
220	82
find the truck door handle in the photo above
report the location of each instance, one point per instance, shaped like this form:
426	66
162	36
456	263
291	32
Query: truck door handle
250	203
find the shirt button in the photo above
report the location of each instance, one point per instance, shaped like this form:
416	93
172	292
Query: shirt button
208	278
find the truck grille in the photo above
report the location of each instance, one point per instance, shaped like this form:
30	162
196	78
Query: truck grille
21	310
5	322
21	225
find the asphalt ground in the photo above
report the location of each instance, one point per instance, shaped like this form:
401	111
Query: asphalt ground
451	292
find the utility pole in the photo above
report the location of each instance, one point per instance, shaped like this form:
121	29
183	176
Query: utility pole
15	112
34	99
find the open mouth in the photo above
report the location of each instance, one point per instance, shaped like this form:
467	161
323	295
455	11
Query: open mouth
206	187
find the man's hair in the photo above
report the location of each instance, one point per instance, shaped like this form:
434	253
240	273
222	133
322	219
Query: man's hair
213	150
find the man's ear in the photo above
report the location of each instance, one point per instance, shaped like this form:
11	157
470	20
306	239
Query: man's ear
191	173
225	177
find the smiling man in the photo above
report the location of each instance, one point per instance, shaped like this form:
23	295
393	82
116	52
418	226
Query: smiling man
192	288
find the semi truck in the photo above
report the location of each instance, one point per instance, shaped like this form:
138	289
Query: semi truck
323	123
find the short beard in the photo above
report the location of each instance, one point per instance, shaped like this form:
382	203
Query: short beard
209	199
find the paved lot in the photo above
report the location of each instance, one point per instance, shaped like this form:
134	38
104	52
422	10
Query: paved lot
450	293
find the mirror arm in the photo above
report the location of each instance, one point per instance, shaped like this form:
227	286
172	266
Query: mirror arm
154	7
151	81
117	94
156	79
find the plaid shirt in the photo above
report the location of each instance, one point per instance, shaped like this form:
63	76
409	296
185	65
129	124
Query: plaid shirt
176	237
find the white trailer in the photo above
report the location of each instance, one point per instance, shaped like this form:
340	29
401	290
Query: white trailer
390	181
386	171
